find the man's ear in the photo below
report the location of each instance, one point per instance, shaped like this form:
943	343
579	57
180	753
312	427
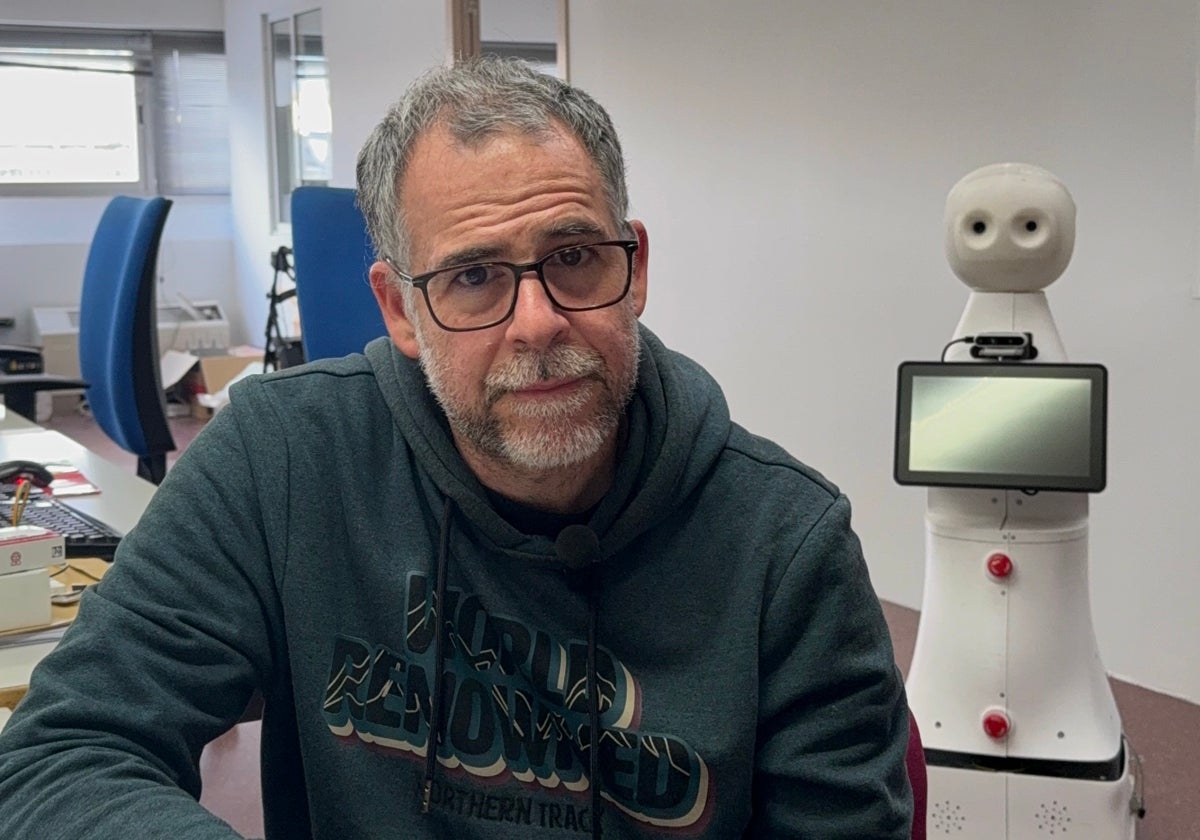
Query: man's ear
641	261
391	304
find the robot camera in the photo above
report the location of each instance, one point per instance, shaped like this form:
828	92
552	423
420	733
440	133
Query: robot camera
1003	345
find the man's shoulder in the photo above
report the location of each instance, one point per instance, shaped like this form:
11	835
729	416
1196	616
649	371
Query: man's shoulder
314	379
325	394
771	463
350	366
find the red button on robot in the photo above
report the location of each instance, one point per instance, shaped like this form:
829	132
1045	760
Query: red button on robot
999	565
996	724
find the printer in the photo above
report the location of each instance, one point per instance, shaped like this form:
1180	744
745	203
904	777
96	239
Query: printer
18	359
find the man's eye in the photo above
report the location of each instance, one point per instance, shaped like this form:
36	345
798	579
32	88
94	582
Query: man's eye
476	275
573	258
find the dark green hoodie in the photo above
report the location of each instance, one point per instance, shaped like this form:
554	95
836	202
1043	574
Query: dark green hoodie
746	678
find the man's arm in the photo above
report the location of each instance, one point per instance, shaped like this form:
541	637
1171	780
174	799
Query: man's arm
161	659
833	722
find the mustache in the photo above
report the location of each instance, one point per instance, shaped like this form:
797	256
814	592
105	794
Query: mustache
531	367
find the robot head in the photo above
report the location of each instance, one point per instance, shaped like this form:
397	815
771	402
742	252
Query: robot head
1010	227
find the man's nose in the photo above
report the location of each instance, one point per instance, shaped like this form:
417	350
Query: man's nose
536	321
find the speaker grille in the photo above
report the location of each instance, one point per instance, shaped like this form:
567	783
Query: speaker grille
1053	819
946	817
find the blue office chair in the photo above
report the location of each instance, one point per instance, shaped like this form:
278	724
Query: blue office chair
332	253
118	331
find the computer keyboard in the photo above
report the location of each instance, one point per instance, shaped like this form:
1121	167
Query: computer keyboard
83	535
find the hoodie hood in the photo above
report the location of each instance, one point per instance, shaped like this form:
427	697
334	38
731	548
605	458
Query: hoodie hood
677	422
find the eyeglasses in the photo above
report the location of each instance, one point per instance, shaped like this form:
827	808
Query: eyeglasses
481	295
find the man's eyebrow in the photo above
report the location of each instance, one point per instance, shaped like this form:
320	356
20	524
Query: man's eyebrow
568	230
492	253
482	253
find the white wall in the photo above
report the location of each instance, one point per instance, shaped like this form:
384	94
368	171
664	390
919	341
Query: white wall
44	241
791	160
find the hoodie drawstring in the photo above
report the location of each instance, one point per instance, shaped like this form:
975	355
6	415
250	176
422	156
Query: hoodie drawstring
580	552
439	658
593	694
578	549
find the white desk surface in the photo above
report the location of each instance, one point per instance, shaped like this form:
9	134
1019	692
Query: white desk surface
17	663
10	421
120	503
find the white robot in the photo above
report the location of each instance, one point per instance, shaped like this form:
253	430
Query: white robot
1022	733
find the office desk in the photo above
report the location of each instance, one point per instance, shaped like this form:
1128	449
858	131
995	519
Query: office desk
120	503
123	495
17	661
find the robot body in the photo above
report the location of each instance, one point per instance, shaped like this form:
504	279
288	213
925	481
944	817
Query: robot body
1022	734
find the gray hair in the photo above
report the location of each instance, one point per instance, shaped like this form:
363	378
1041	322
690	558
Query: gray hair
475	100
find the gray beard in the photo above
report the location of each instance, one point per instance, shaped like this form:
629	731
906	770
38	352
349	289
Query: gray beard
554	435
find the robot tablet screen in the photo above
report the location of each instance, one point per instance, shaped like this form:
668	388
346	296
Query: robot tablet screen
1013	425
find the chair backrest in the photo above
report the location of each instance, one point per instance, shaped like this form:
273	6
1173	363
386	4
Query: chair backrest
332	253
118	331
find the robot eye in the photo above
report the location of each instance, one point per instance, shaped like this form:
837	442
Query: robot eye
979	227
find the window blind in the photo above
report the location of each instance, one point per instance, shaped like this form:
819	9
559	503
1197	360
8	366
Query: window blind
191	113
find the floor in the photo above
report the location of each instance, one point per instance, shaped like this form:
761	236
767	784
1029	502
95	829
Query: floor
77	424
1163	729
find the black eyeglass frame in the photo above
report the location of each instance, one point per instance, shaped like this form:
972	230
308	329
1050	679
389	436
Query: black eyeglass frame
421	281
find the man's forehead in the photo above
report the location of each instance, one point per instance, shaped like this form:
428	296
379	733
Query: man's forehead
440	144
546	179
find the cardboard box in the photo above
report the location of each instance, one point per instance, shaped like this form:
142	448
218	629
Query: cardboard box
211	375
216	371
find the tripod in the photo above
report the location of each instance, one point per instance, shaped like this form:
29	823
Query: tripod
280	352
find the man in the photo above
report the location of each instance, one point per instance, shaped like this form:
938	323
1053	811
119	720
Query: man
521	518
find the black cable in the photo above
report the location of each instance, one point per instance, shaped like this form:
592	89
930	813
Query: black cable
950	344
593	693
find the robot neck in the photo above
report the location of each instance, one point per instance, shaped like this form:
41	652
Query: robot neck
1010	312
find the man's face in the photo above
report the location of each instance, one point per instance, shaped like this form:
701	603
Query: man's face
546	388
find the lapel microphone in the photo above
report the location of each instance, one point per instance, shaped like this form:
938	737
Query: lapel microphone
578	549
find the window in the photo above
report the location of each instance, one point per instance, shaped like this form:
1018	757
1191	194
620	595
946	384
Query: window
301	120
92	140
139	112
